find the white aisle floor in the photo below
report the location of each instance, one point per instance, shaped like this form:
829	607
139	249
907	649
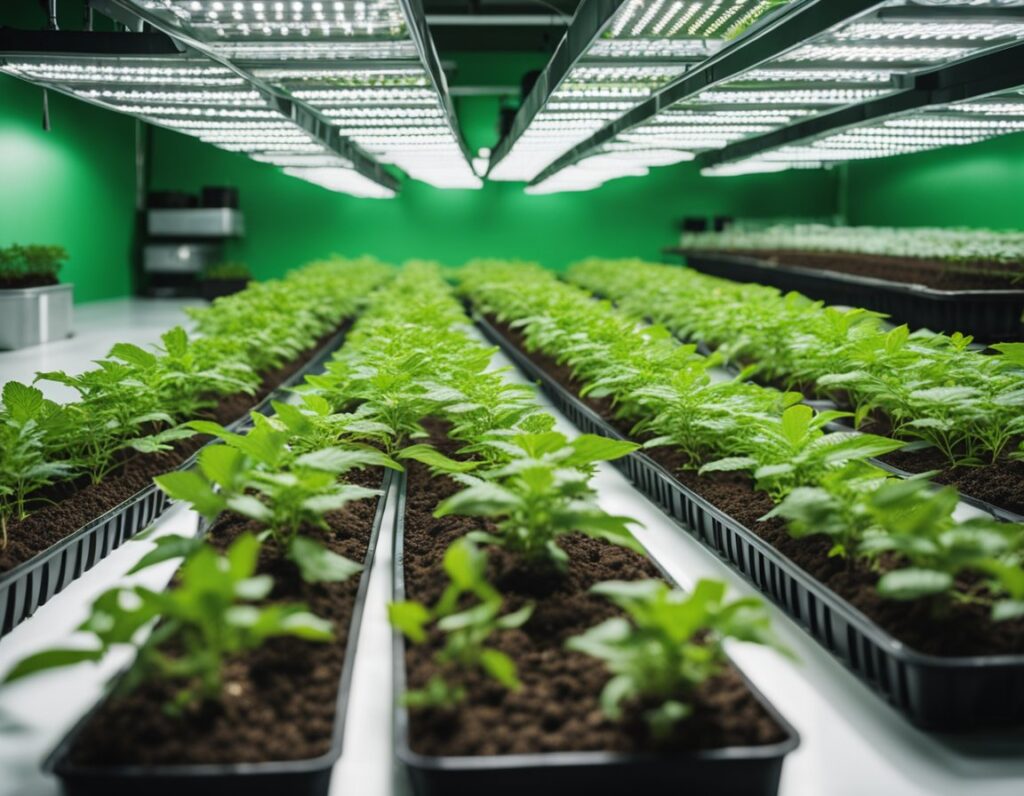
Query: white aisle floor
852	744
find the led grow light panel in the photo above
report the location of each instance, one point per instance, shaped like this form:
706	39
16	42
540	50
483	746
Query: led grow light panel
642	46
958	124
868	57
192	96
227	20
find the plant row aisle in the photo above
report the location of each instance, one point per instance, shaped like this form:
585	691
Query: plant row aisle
870	564
514	581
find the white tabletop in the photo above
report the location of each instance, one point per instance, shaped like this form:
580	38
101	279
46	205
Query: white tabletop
852	743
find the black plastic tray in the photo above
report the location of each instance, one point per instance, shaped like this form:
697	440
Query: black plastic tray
746	771
293	777
988	315
956	695
31	584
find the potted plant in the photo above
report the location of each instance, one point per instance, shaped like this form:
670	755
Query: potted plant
34	307
224	279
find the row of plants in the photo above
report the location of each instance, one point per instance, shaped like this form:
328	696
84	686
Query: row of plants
765	457
960	408
410	364
239	660
63	465
512	538
966	246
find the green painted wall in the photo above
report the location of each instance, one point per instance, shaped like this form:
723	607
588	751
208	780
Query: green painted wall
975	186
289	221
74	185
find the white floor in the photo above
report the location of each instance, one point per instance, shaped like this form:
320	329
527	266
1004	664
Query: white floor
852	744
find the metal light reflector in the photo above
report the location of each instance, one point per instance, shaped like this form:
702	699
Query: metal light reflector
620	52
862	52
341	180
190	95
950	125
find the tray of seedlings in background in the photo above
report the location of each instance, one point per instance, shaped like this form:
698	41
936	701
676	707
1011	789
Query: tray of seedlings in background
959	693
502	706
85	511
243	683
988	314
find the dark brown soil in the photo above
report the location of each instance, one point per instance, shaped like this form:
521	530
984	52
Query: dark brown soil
79	502
930	273
965	630
27	280
279	700
557	708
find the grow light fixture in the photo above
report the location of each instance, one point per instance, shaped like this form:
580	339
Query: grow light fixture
341	180
810	59
191	95
321	56
618	53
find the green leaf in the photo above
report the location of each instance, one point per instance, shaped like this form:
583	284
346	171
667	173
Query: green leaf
913	583
168	548
250	506
176	342
591	448
318	564
425	454
409	618
481	500
190	487
1007	610
341	460
729	464
221	464
500	666
22	403
133	355
50	659
796	423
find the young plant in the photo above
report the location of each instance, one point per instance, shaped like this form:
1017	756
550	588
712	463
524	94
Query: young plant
258	476
213	614
794	451
26	463
668	643
465	630
936	551
540	493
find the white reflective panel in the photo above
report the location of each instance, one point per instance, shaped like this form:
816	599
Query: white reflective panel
341	180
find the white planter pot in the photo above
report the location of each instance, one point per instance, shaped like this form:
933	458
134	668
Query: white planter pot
33	315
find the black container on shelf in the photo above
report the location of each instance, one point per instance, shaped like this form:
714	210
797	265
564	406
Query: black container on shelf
29	585
988	315
694	224
295	777
171	200
737	771
211	289
940	694
220	196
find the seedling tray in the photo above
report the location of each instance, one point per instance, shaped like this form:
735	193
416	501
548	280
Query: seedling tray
292	777
750	771
940	694
29	585
988	315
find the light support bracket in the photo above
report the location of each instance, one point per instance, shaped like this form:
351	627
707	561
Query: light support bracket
787	29
983	75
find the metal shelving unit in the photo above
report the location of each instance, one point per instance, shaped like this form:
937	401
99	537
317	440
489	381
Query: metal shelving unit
806	61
